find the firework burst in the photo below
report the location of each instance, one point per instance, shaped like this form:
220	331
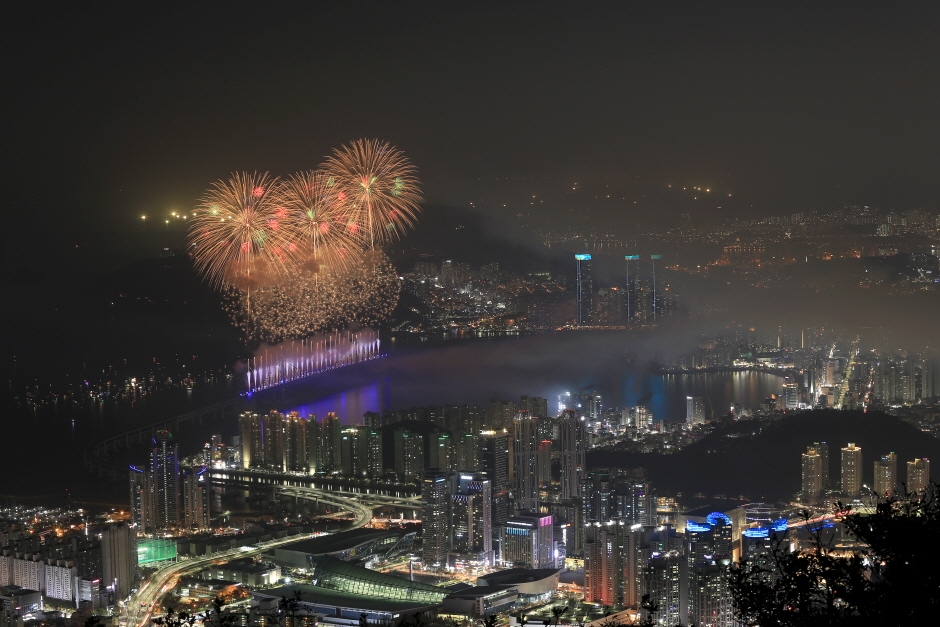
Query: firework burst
240	235
303	304
327	243
378	185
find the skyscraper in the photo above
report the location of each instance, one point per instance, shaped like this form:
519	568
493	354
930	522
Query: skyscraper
409	453
812	475
525	452
272	426
851	470
164	467
494	461
584	290
822	449
472	517
195	501
611	562
252	441
694	410
918	476
573	453
295	443
528	541
886	475
435	519
119	558
331	460
143	504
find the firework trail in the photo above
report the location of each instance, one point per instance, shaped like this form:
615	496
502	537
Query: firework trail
378	185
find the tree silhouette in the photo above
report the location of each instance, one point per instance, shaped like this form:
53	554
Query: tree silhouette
894	581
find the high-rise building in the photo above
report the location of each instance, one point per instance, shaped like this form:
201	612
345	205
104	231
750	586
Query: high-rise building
886	476
822	449
435	519
472	518
573	442
636	502
664	576
119	558
528	541
545	463
494	461
710	599
296	458
165	470
195	501
812	475
330	450
441	451
584	290
709	554
143	504
535	405
499	415
250	430
694	410
598	495
525	452
851	470
375	464
272	427
409	453
918	476
611	551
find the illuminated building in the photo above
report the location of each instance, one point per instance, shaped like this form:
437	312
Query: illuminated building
886	476
636	503
441	451
694	410
375	464
61	581
573	453
195	501
272	426
409	453
709	554
165	472
598	495
330	449
525	452
822	449
494	461
250	430
918	476
812	474
535	405
295	443
143	506
435	519
851	470
585	290
663	577
710	600
119	558
545	463
611	551
528	542
472	518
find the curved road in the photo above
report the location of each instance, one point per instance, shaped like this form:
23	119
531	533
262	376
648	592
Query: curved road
149	597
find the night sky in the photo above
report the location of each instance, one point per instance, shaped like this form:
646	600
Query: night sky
113	111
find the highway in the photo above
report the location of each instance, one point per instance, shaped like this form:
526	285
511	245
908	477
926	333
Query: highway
148	599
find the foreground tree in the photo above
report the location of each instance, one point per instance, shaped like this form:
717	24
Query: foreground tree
894	581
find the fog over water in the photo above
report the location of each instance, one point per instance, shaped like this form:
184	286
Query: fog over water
616	364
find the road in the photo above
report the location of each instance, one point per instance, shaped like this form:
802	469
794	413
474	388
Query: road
149	596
